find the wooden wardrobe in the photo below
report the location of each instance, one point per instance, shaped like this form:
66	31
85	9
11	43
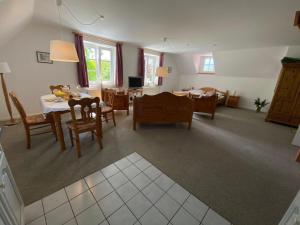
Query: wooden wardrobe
285	106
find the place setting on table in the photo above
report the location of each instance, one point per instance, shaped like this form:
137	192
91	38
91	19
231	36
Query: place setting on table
57	104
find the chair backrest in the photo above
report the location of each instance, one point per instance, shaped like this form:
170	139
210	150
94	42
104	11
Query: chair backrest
18	106
107	96
208	89
58	87
89	110
120	102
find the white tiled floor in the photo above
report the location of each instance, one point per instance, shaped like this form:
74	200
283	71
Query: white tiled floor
129	192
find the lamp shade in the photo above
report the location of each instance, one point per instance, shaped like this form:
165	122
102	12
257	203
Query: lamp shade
4	68
162	71
63	51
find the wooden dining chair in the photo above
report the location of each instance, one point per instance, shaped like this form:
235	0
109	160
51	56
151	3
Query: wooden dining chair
58	87
108	114
33	122
89	120
107	110
120	102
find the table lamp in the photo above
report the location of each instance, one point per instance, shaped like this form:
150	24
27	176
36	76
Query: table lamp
161	71
4	69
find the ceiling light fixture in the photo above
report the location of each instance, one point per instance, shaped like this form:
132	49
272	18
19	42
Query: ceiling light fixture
92	22
162	71
62	51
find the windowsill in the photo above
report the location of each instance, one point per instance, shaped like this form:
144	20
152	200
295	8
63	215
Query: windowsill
208	73
150	86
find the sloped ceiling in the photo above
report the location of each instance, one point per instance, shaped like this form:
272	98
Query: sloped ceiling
14	16
255	62
190	25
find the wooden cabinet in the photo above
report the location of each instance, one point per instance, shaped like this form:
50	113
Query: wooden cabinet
11	203
285	106
233	101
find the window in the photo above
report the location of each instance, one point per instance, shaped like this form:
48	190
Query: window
208	64
151	64
100	63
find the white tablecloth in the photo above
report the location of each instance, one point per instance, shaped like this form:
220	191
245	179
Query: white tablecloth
48	107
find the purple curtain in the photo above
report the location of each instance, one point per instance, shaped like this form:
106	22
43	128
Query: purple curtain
141	64
119	66
161	63
81	65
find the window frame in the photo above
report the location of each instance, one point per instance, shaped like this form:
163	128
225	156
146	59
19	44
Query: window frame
98	48
203	64
154	77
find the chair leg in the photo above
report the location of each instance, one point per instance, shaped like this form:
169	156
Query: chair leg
98	134
92	135
127	112
189	125
28	139
78	145
71	136
105	117
113	117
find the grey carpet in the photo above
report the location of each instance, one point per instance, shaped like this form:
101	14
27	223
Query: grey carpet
237	164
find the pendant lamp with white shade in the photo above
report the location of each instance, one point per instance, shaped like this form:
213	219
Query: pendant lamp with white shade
162	71
63	51
60	50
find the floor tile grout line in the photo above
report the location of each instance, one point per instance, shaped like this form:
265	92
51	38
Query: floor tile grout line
141	191
99	200
123	200
152	204
105	178
83	178
170	195
192	214
152	181
71	208
43	212
166	192
204	215
180	207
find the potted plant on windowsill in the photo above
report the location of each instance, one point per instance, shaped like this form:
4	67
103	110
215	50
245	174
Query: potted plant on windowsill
260	104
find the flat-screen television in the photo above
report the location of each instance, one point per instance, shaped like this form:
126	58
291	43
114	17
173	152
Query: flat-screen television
135	82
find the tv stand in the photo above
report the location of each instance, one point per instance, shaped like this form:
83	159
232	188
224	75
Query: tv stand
134	92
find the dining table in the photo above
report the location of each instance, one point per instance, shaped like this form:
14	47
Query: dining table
57	107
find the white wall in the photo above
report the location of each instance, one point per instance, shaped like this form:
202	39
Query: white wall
130	65
293	51
130	62
251	73
248	88
171	82
30	79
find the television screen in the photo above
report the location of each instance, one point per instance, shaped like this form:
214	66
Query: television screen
135	82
